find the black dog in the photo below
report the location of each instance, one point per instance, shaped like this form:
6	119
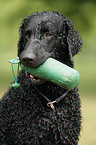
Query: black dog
25	119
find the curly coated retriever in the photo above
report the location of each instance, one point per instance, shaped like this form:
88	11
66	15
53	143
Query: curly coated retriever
25	119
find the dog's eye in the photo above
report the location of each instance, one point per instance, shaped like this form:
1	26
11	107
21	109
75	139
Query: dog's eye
27	34
47	34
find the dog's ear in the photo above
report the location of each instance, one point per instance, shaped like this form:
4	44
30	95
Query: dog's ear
21	39
74	41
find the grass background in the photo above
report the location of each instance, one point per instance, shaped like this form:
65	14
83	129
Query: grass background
83	15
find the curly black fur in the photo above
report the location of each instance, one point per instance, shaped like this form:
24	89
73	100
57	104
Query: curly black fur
25	118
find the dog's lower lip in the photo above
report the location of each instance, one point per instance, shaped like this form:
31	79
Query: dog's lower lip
36	80
33	77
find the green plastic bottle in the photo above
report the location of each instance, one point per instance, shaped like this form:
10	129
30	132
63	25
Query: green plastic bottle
55	72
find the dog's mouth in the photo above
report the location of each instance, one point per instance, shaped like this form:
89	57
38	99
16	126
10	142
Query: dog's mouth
36	80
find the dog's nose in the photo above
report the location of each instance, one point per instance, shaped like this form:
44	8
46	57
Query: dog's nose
26	59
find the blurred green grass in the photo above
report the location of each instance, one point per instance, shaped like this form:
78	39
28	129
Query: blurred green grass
88	133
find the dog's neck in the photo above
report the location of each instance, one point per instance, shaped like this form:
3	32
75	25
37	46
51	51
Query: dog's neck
50	90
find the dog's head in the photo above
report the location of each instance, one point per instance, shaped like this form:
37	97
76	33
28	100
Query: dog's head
47	34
